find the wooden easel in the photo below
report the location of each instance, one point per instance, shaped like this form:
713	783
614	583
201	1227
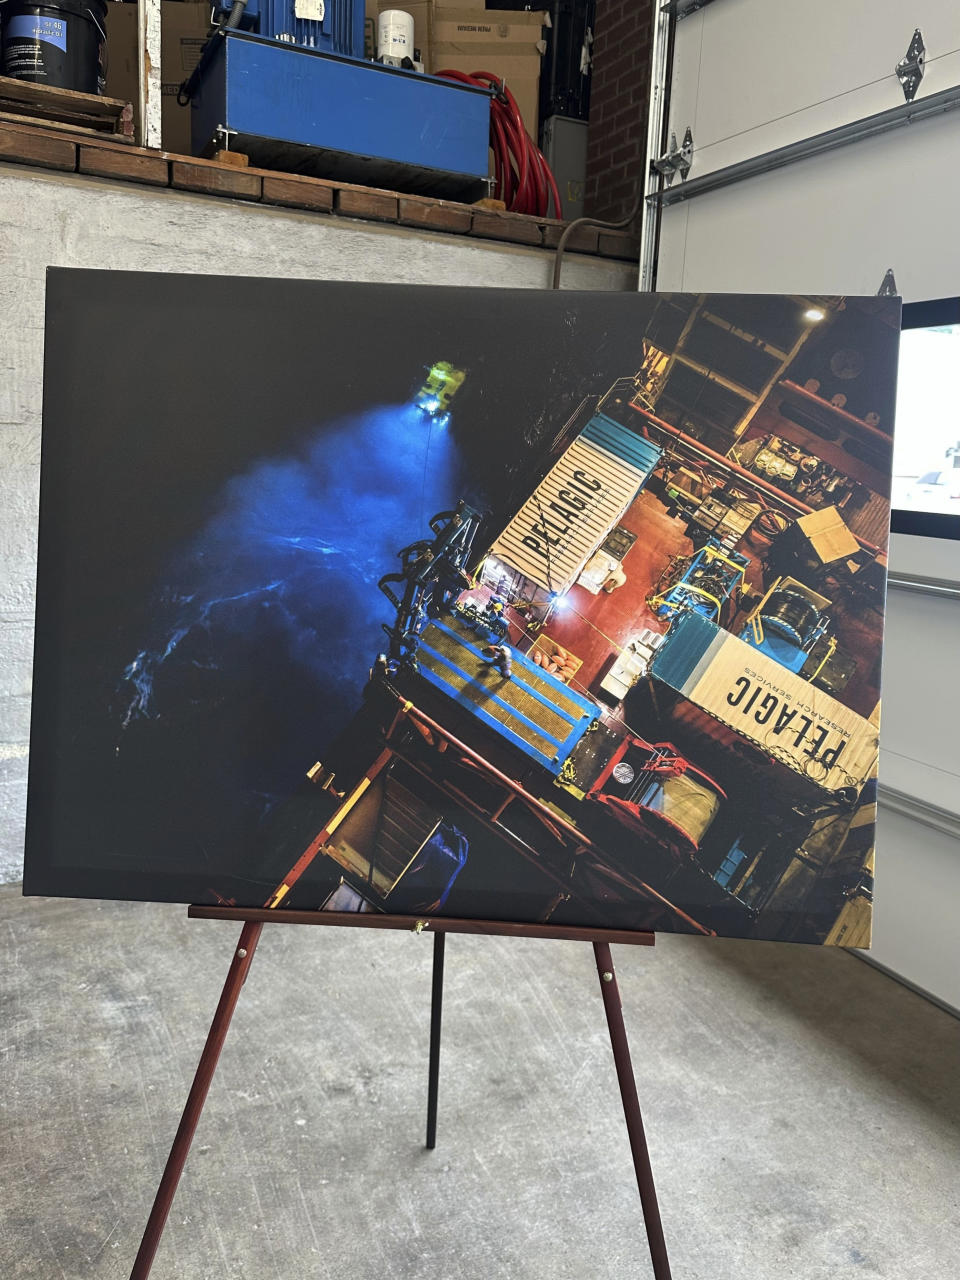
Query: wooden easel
253	921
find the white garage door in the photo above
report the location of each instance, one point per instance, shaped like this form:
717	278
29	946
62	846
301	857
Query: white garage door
752	77
812	172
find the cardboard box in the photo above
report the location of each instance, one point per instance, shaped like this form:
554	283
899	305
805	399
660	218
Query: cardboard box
494	28
183	31
184	27
122	79
458	37
508	44
827	535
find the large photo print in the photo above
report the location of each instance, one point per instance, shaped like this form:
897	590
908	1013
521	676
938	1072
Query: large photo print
533	607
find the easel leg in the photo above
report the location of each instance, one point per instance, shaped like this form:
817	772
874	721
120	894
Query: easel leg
631	1109
436	1011
236	976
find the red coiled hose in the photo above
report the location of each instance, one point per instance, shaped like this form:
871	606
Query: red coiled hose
522	177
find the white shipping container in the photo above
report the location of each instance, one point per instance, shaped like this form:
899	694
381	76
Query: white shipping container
782	714
575	506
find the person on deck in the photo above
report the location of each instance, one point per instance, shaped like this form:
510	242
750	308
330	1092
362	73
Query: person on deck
501	658
615	578
493	617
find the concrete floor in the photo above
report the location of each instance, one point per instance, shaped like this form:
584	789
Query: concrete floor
801	1107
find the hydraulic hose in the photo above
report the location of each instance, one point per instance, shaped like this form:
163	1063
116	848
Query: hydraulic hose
522	177
188	87
236	14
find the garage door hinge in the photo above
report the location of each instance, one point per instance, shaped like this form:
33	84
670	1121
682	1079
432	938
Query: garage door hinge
677	159
910	67
888	286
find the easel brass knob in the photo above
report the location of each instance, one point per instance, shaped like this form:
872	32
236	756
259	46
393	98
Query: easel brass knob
607	976
241	953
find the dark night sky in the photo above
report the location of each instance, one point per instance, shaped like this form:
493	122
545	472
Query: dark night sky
175	407
218	372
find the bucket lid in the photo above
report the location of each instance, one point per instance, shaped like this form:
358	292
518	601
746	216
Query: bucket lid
94	9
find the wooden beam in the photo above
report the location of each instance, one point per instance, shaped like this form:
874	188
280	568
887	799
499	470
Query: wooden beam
148	48
423	924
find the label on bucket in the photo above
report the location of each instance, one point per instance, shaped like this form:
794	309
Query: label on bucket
34	27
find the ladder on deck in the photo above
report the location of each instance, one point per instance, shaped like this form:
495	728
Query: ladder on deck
405	824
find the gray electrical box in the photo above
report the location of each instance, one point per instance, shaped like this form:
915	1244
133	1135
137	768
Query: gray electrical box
565	147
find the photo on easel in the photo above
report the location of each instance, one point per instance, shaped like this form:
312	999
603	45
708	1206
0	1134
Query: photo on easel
508	605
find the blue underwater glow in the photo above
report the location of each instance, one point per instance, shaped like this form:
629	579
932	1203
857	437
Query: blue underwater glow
279	590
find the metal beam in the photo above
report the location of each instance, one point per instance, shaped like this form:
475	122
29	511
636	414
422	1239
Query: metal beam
683	8
148	64
751	339
712	375
786	360
656	119
821	143
939	587
931	815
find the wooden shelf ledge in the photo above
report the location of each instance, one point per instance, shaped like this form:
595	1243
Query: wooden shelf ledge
52	148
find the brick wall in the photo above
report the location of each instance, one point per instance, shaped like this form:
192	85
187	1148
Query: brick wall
618	106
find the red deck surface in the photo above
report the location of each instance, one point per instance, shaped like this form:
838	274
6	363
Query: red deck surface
594	628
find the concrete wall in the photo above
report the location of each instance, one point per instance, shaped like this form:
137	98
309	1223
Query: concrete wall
65	221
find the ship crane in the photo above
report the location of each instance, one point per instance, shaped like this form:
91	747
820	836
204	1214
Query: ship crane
432	573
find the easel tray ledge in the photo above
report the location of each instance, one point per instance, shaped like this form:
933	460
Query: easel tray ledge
421	924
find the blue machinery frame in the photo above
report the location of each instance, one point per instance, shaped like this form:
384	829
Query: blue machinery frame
341	118
576	712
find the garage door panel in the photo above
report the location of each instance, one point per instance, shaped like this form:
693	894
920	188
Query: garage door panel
749	77
818	118
831	224
685	83
741	99
673	239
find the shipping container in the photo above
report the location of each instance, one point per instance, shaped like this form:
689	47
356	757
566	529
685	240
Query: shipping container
575	506
777	714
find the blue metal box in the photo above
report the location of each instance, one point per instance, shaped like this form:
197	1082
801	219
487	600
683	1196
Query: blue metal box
307	111
533	711
336	27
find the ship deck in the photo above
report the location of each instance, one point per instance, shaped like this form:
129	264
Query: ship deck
595	628
534	711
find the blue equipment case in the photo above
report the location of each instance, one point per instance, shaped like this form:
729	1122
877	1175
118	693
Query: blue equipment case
790	650
780	648
308	111
335	27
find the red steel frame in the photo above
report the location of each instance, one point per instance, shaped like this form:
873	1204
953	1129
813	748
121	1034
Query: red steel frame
558	826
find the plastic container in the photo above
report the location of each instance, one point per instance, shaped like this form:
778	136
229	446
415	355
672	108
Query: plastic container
395	35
